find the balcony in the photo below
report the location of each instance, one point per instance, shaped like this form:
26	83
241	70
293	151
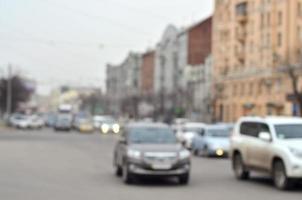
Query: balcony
242	12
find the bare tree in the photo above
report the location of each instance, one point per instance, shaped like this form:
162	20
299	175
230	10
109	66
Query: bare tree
294	73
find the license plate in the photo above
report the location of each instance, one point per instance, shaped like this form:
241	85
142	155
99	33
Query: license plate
161	166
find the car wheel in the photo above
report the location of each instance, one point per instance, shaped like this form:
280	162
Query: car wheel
205	152
196	152
184	179
127	176
239	168
281	181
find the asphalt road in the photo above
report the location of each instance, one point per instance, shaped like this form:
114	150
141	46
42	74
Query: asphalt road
42	165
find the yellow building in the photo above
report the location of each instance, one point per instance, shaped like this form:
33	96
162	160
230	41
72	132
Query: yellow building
251	40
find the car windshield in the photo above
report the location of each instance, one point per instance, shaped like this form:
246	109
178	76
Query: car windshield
289	131
20	117
152	136
193	130
108	121
219	133
85	121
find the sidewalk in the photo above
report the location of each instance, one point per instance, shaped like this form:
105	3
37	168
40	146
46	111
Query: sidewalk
3	127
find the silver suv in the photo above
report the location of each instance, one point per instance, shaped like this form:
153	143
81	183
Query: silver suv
270	144
150	149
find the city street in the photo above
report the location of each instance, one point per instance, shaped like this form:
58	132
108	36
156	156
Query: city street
38	165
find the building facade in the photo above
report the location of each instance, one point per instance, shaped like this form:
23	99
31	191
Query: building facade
166	74
252	39
147	73
198	69
199	82
123	85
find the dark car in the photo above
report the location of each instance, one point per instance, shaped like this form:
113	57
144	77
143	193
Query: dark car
151	149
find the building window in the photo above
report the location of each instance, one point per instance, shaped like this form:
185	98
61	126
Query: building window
251	24
268	40
251	90
235	90
278	85
268	19
241	8
299	11
280	15
242	89
279	39
262	21
299	34
260	88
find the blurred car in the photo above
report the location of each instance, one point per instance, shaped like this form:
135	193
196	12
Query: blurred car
178	124
188	132
50	119
20	121
268	144
106	124
85	126
36	122
98	120
213	141
229	126
63	122
78	119
151	149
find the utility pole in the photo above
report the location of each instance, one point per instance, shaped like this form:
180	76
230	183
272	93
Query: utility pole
9	91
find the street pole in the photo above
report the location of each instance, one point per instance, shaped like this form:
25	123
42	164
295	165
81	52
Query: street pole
9	91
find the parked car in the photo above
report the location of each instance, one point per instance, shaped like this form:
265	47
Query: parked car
63	122
36	122
50	119
269	144
188	132
106	124
213	141
178	124
20	121
151	149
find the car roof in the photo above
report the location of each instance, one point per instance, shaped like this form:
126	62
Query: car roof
195	124
274	119
217	126
147	125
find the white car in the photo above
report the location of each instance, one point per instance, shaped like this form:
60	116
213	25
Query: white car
270	144
20	121
178	124
36	122
189	131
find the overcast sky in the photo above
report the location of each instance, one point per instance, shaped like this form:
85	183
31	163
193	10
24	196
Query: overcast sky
60	42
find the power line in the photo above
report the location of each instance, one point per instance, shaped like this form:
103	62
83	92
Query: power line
144	11
97	17
54	42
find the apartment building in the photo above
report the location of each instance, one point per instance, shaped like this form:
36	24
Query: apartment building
123	84
252	40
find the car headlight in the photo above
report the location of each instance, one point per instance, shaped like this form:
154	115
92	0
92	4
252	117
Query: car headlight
131	153
296	152
105	128
116	128
184	154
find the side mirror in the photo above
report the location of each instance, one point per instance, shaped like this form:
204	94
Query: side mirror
265	136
